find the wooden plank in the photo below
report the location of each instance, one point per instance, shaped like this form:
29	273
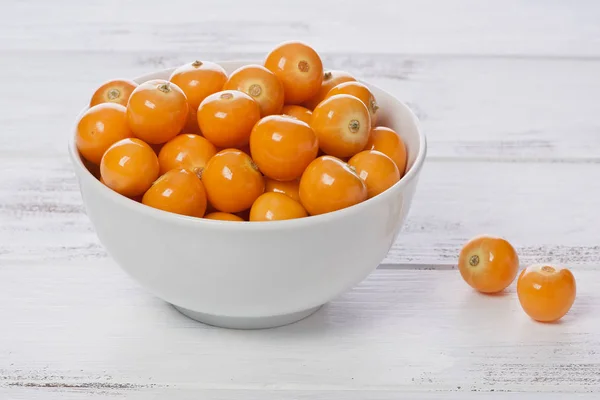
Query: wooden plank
510	27
414	331
543	209
471	108
132	393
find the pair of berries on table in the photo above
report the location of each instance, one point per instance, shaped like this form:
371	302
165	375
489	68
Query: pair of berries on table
490	264
280	140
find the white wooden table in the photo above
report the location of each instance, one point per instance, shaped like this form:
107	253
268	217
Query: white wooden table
509	96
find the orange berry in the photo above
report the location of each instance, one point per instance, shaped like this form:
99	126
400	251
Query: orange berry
289	188
330	80
283	147
178	191
260	84
223	216
232	181
114	91
488	264
99	128
298	112
359	91
187	151
342	124
299	68
198	80
377	170
157	111
276	207
329	184
546	293
389	143
226	118
129	167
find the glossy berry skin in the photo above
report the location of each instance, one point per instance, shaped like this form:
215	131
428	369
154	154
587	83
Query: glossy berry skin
232	181
342	124
299	68
99	128
129	167
187	151
289	188
223	216
388	142
331	79
226	118
488	264
260	84
178	191
157	111
361	92
276	207
329	184
114	91
546	293
377	170
298	112
198	80
283	147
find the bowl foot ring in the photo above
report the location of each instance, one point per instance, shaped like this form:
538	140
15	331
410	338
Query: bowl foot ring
247	322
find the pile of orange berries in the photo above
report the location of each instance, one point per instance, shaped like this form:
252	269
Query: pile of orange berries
490	264
276	141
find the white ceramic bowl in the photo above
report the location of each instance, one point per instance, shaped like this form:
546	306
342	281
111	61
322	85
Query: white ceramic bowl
251	274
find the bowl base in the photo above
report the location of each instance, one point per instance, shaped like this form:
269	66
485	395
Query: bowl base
247	322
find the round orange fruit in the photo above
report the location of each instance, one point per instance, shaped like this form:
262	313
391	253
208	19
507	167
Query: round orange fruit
178	191
488	264
283	147
298	67
99	128
342	125
232	181
329	184
273	206
546	293
377	170
129	167
157	111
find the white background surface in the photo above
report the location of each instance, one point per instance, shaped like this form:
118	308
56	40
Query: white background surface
509	96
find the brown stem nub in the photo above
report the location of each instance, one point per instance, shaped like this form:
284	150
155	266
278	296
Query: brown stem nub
254	90
226	96
327	76
474	260
354	126
303	66
165	87
374	106
113	94
548	269
197	64
198	171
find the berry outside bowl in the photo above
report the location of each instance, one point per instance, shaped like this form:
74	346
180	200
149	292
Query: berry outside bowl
251	275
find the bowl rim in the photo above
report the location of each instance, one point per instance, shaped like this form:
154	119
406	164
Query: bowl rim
170	217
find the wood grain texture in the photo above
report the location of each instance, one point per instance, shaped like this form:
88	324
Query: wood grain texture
513	27
470	108
89	327
77	393
543	209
